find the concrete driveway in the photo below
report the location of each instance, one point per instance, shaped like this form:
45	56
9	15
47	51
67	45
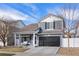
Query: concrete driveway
40	51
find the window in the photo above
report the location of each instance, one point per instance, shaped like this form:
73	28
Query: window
53	25
58	24
47	25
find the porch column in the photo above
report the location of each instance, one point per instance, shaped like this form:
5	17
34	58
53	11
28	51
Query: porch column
19	39
34	39
17	42
14	39
37	40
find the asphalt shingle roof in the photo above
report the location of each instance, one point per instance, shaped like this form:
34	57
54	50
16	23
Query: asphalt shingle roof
31	27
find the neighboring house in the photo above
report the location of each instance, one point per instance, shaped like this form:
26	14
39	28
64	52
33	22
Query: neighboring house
15	26
47	32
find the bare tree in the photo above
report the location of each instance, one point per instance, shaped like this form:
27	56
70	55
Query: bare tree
69	13
70	22
4	30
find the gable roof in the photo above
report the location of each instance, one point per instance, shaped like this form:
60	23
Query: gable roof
31	27
46	16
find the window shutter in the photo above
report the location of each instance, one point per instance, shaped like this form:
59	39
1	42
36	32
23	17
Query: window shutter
54	25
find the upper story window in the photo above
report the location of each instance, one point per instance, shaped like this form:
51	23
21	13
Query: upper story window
53	25
47	25
58	25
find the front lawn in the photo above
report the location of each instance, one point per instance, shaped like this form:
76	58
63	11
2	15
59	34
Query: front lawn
69	51
9	51
6	54
13	49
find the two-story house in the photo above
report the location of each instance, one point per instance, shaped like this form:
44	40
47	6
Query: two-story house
47	32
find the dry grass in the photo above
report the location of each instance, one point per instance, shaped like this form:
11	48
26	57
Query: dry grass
69	51
6	54
13	49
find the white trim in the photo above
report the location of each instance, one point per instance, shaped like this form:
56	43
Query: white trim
19	39
37	40
15	40
61	40
33	39
44	35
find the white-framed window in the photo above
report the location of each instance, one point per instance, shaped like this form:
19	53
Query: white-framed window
49	25
46	25
53	25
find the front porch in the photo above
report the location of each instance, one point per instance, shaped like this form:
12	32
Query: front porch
26	39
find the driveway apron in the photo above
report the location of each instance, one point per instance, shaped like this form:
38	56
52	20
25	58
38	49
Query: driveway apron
40	51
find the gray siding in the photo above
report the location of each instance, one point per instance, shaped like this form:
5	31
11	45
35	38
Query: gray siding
42	25
52	25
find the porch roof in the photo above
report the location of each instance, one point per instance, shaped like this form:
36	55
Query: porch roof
54	32
26	32
28	29
31	27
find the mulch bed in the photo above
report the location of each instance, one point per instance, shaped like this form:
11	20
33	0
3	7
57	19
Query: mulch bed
68	51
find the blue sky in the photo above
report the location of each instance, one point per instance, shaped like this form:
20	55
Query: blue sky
29	13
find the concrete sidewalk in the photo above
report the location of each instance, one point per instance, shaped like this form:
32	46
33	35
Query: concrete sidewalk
40	51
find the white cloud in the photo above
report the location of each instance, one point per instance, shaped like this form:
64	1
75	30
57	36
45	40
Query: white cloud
9	12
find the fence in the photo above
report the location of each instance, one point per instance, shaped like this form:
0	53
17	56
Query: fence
73	42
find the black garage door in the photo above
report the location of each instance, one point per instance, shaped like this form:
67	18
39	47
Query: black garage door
49	41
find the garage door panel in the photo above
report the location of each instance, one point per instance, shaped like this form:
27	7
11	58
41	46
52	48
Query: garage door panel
49	41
